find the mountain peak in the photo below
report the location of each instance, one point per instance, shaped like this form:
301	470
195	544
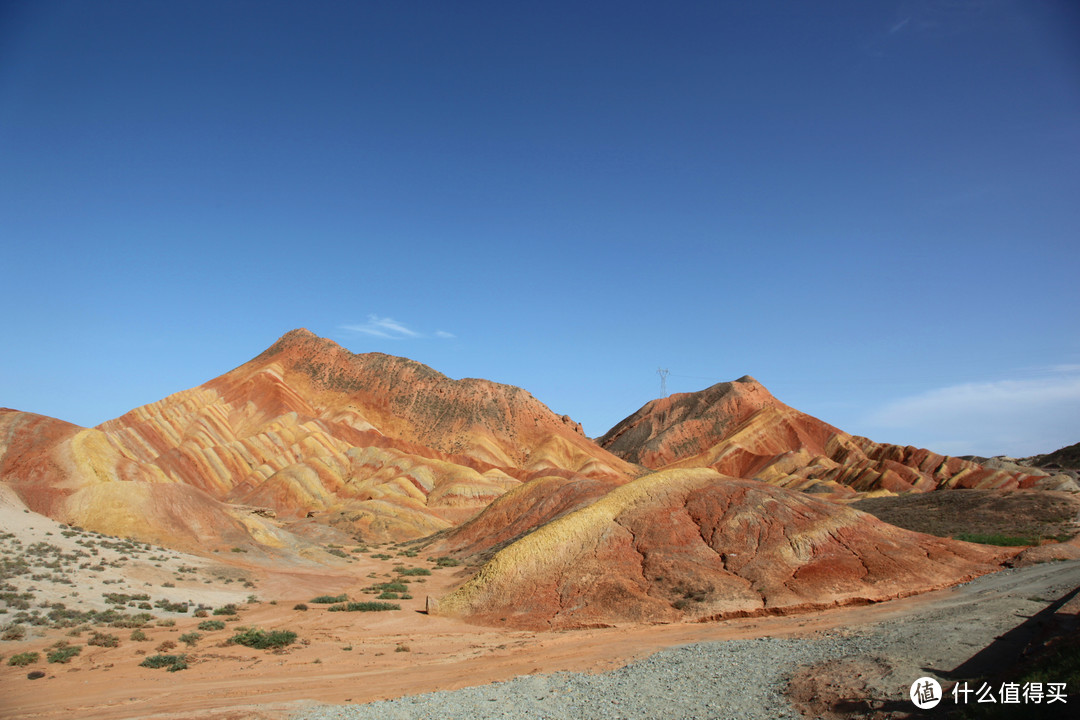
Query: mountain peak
684	424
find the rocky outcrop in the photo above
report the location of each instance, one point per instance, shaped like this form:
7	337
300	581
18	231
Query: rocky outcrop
694	544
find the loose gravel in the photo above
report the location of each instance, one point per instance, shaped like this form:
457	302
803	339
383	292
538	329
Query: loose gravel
737	679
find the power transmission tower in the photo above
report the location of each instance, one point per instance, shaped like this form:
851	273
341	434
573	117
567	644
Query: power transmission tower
663	373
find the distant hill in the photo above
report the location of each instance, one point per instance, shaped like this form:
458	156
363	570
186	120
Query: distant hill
1067	458
740	429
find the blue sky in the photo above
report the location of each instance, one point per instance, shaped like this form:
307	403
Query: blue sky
870	207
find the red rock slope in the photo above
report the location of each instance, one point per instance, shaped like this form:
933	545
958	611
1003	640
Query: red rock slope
740	429
693	544
373	444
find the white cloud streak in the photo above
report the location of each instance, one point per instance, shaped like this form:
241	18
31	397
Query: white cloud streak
899	26
384	327
1012	417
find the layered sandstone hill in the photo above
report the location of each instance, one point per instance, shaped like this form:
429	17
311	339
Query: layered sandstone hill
740	429
379	446
75	475
694	544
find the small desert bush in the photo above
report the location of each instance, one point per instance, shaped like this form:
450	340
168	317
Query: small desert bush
414	571
229	609
367	606
62	652
262	639
166	646
328	599
299	606
172	663
447	562
211	625
15	632
393	587
402	648
103	640
190	638
138	635
24	658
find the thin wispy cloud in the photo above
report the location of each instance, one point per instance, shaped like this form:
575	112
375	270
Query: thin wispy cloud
899	26
1013	417
385	327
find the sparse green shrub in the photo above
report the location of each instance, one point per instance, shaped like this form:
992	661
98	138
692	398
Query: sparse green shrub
62	652
165	646
103	639
414	571
24	658
447	562
172	663
138	635
229	609
262	639
327	599
299	606
15	632
210	625
137	620
402	648
387	595
367	606
190	638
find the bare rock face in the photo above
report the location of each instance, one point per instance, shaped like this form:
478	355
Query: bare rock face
694	544
373	445
740	429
